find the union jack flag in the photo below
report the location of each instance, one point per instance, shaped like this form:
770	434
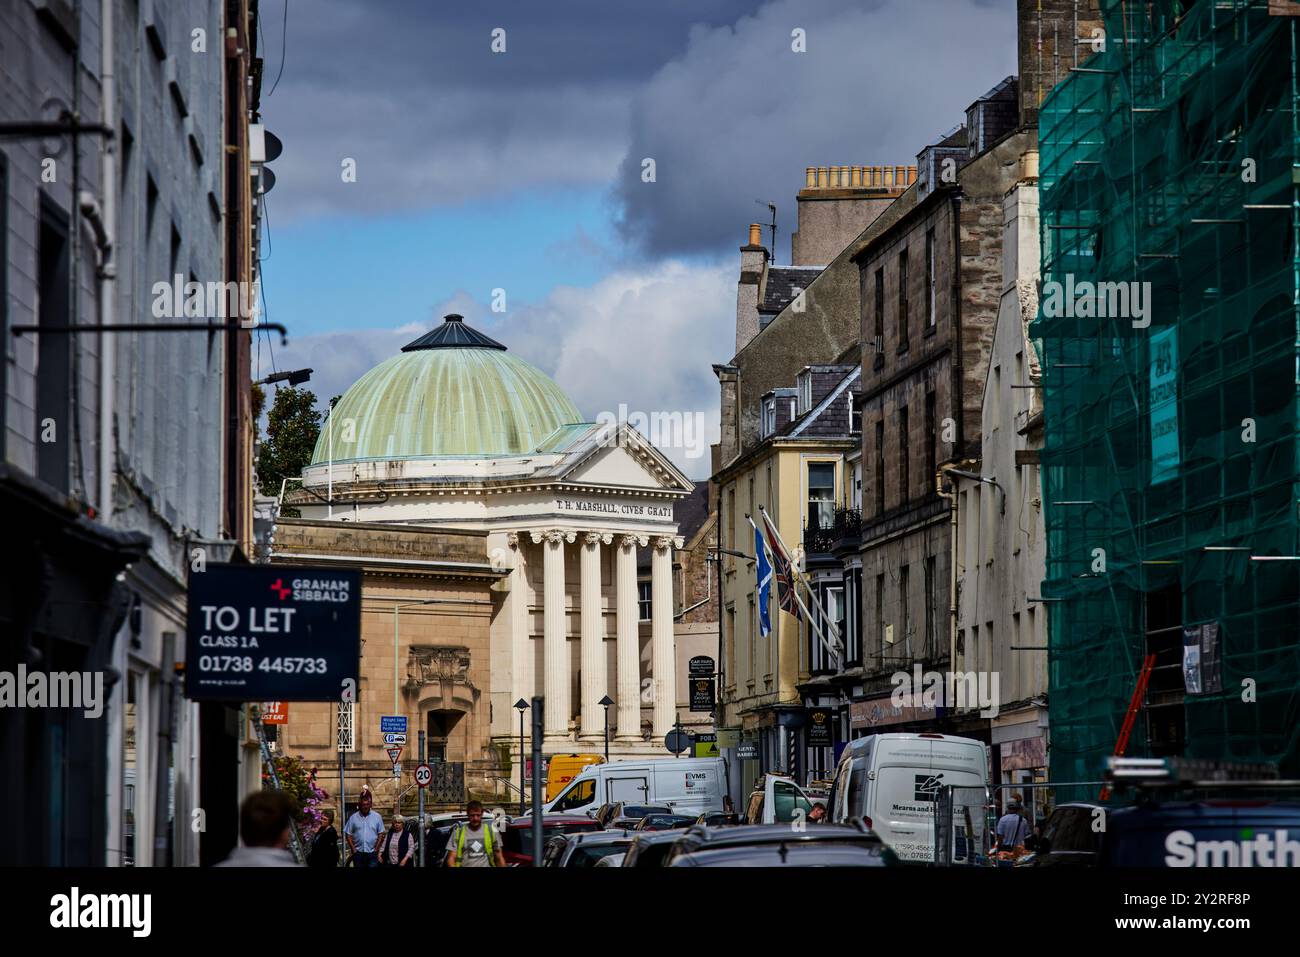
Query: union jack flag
783	572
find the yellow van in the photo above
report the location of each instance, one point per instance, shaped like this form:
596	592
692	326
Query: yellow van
563	768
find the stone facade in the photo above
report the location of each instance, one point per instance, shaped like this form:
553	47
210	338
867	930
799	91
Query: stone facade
923	392
428	599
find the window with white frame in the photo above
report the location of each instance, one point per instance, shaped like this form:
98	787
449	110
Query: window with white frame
769	416
805	390
821	494
644	590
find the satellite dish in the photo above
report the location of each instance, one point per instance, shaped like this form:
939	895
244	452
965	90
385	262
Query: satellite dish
273	146
266	180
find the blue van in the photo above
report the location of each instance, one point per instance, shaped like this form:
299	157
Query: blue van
1235	832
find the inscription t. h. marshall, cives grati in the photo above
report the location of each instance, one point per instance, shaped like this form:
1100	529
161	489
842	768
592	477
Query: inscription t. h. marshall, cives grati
614	508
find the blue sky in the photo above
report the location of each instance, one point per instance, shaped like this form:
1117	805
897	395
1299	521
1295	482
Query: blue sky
520	169
525	243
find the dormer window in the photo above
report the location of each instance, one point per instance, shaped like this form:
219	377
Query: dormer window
769	416
804	382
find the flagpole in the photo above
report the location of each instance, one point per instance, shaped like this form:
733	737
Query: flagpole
795	592
838	648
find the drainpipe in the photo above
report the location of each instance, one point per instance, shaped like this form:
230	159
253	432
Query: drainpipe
952	554
952	566
108	266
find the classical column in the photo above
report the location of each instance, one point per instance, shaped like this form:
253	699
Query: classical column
628	698
521	659
593	676
663	664
555	638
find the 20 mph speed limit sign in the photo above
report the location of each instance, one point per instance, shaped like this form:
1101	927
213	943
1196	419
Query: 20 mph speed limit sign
423	775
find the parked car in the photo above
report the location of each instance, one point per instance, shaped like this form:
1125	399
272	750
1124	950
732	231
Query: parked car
517	841
1234	832
891	781
650	848
787	855
718	818
626	815
684	785
585	848
664	822
704	838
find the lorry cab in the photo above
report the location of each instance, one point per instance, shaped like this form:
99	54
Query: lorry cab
563	768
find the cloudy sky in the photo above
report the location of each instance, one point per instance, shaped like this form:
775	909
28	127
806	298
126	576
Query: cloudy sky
521	170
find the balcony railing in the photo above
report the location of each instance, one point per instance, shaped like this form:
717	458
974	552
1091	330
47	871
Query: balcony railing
845	527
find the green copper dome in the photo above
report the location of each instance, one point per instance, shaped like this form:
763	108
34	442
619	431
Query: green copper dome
451	392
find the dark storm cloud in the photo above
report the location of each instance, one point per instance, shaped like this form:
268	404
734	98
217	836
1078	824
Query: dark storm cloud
739	115
414	94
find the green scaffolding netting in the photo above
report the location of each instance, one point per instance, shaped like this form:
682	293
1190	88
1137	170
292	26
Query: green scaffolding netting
1169	467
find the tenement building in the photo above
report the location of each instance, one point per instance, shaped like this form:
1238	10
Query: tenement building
456	433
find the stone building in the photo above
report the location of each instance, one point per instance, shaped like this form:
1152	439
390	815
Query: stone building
931	271
428	597
456	432
788	443
1000	541
121	453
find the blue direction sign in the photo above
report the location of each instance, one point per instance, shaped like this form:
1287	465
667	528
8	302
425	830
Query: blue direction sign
392	724
272	633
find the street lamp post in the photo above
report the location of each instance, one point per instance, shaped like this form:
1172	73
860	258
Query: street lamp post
521	706
605	702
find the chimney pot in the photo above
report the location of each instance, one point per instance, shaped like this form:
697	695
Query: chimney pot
810	177
755	234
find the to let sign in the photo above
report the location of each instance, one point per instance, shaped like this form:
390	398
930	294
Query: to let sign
273	633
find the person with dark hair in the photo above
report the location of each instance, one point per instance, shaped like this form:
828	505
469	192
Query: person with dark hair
265	818
325	845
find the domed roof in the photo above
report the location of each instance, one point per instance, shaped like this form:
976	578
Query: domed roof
451	392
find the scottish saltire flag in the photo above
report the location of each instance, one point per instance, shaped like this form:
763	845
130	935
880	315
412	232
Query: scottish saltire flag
785	597
764	571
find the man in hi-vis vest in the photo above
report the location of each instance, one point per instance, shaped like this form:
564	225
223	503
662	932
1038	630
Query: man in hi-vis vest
474	844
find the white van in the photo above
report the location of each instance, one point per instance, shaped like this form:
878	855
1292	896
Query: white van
891	781
687	785
776	799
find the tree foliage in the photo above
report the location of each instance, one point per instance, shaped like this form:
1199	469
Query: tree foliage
292	427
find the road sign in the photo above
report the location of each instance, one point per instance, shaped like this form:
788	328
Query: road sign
677	741
275	712
272	633
394	738
394	755
392	724
702	695
423	775
397	771
701	666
